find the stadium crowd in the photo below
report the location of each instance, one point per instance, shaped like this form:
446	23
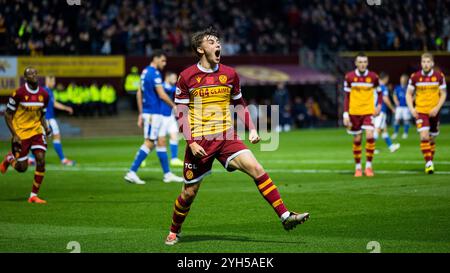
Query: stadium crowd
136	27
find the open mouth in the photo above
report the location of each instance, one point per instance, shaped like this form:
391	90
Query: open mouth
217	53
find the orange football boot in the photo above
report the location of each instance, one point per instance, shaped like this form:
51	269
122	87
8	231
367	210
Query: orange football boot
36	200
369	172
358	173
5	163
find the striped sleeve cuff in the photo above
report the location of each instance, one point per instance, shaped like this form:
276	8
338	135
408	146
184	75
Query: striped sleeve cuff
183	101
10	107
236	97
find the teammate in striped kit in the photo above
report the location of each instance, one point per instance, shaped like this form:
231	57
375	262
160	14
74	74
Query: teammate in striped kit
25	117
359	109
430	92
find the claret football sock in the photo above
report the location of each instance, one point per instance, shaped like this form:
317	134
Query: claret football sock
370	149
357	149
270	193
38	178
426	150
180	212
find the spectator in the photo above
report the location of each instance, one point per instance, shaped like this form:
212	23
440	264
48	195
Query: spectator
137	26
300	113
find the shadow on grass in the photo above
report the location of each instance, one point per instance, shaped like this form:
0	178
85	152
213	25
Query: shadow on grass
232	238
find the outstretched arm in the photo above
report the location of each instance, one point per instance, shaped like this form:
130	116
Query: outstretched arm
63	107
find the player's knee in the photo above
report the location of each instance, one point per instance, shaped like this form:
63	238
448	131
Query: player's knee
161	142
255	169
149	143
21	167
189	194
40	162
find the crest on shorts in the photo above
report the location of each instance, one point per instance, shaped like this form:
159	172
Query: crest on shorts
368	80
223	79
189	174
41	98
419	123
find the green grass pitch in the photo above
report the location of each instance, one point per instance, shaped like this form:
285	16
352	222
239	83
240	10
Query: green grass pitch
401	208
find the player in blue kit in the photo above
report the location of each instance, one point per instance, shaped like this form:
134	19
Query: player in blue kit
150	97
402	112
380	120
53	124
169	124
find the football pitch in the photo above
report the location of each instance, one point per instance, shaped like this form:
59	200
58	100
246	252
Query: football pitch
401	208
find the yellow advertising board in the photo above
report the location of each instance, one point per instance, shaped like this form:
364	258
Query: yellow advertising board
76	67
8	75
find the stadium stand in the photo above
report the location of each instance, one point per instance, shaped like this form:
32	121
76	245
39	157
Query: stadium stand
135	27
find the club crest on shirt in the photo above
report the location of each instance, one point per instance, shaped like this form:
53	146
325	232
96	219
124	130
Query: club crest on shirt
41	98
199	79
368	80
223	79
26	97
433	79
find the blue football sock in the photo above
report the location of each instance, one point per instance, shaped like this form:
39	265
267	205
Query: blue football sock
396	127
163	158
140	156
387	139
406	128
174	149
58	149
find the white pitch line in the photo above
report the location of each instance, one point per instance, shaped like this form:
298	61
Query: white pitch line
336	161
219	170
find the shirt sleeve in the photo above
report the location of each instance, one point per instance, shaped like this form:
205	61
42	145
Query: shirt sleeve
412	82
376	83
13	102
182	91
157	80
47	99
347	86
442	83
236	90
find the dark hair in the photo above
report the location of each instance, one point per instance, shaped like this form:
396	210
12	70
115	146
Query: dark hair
157	53
197	37
360	54
383	75
26	69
